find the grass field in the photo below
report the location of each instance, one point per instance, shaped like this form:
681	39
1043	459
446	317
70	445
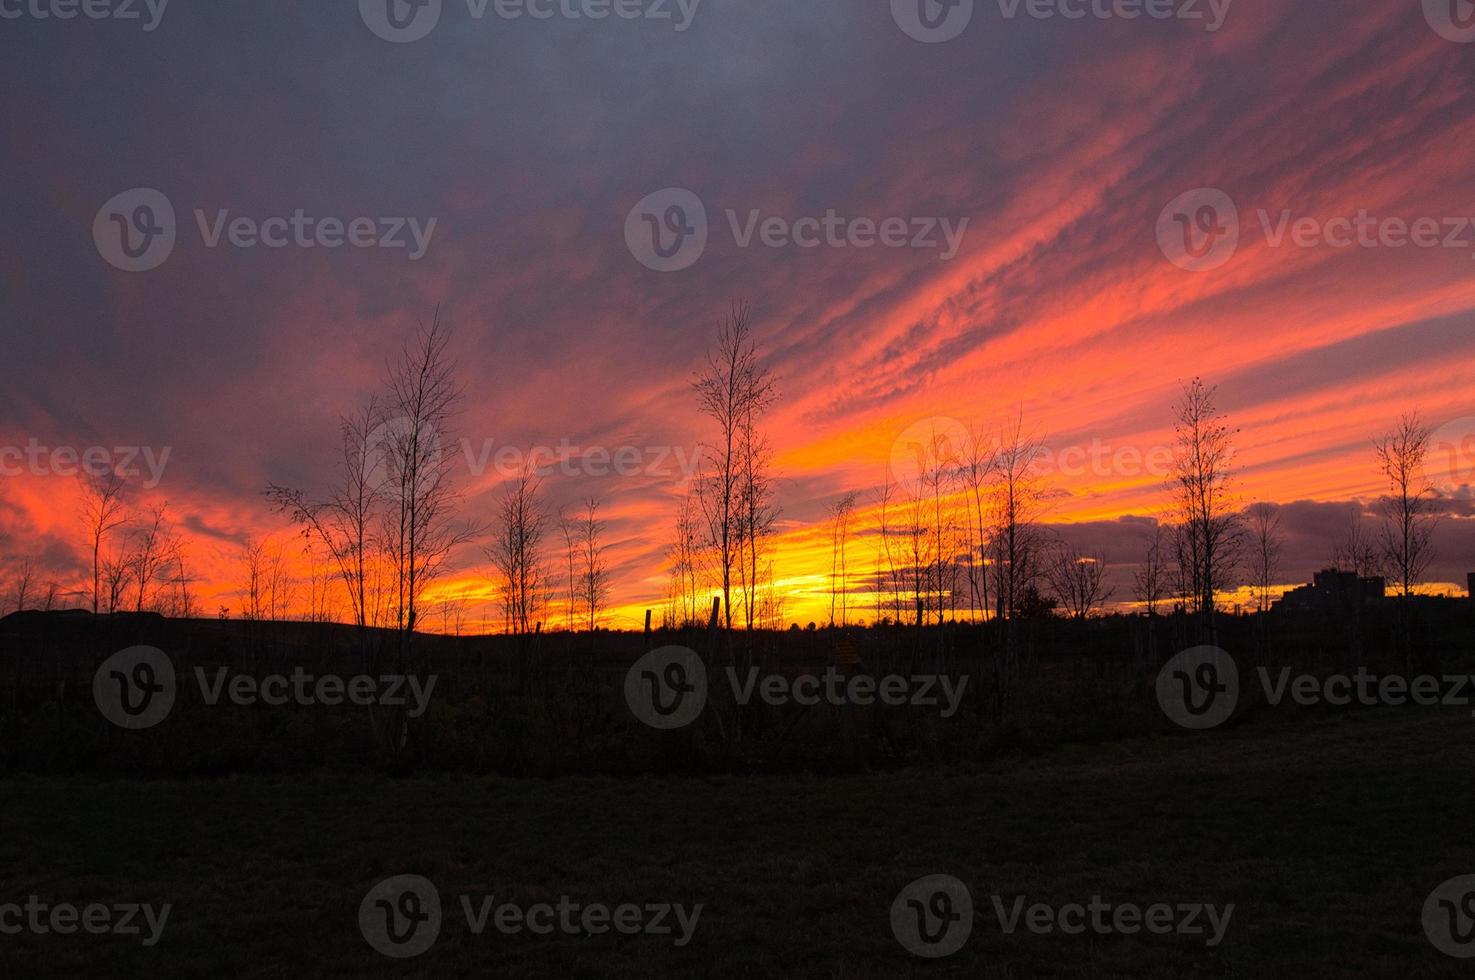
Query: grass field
1326	830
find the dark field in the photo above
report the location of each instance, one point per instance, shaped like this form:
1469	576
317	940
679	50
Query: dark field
264	829
1326	837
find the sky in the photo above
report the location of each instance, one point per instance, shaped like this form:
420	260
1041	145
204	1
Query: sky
1034	174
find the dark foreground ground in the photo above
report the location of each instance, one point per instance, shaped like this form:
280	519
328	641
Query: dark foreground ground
1327	832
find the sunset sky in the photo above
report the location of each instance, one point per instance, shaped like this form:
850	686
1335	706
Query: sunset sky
1059	141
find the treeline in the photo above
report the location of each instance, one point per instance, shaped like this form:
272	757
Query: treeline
957	532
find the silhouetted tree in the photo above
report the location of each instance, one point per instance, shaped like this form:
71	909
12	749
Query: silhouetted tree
154	547
517	551
734	390
840	512
1210	522
103	512
344	523
1078	581
1409	518
594	570
1266	546
1358	549
419	527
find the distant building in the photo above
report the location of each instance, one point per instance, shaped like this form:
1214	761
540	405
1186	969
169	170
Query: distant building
1331	589
1471	585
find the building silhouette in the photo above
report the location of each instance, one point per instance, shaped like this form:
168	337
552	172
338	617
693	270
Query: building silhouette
1332	589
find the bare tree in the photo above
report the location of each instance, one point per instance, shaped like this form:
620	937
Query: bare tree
1017	543
594	577
1266	547
517	551
888	577
320	579
1202	481
344	523
757	511
253	589
684	555
23	583
568	528
978	466
419	528
1408	511
920	558
1150	580
116	570
1358	550
1078	581
102	512
840	512
942	464
733	390
281	586
1017	507
154	548
182	602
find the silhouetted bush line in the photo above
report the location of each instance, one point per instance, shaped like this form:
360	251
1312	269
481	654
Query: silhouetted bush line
553	705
